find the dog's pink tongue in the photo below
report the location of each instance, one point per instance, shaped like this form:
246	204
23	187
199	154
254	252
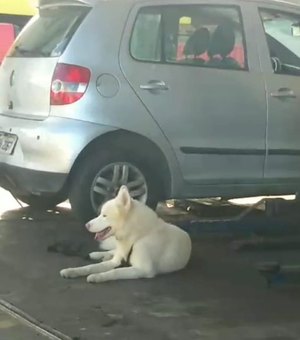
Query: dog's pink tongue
99	236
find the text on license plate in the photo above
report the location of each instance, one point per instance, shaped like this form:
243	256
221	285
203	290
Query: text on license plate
7	142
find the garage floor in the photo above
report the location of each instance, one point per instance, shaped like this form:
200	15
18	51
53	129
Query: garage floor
12	329
219	296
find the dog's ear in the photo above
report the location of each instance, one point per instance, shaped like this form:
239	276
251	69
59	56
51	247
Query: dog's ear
124	197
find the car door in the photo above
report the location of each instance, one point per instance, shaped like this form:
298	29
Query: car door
280	55
199	77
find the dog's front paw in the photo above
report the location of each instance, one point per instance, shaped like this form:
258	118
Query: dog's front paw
68	273
94	278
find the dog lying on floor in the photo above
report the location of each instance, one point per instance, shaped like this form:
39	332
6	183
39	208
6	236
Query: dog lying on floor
145	242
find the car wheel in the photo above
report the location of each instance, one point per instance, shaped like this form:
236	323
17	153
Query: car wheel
41	202
99	177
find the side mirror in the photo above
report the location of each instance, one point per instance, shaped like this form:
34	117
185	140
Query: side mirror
295	29
8	34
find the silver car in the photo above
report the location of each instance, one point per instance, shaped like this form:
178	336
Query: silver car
175	99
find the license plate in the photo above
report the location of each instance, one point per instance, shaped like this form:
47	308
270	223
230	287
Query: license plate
7	143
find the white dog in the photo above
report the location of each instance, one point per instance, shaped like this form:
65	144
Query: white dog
145	242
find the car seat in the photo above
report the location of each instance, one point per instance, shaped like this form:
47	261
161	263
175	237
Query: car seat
196	45
221	45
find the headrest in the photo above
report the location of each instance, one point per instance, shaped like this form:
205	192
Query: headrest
222	41
197	43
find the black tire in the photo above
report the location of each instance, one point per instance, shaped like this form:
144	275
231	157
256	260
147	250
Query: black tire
41	203
86	172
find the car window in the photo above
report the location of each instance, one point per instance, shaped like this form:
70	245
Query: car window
49	32
283	38
146	37
198	35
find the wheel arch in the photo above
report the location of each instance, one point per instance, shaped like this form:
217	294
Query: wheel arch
128	141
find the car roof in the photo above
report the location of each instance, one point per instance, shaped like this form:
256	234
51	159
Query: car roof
161	2
282	2
42	3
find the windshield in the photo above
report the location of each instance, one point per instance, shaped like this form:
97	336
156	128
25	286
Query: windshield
48	34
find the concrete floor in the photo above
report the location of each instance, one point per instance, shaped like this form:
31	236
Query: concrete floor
219	296
11	329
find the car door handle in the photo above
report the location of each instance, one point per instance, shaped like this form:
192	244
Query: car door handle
284	93
155	85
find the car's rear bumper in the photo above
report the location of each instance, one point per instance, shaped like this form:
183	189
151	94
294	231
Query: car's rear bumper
44	153
51	145
22	181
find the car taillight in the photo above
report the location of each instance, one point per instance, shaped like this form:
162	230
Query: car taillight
69	84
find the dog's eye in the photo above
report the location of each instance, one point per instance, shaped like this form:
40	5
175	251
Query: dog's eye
104	216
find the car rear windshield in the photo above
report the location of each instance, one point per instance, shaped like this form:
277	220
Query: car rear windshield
49	33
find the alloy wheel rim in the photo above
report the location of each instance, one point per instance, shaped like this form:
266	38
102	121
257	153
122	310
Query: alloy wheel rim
109	180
